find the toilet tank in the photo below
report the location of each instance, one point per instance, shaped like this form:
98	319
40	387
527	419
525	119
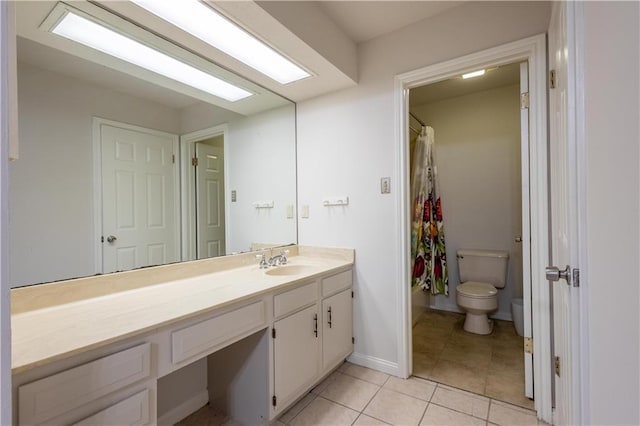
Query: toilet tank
488	266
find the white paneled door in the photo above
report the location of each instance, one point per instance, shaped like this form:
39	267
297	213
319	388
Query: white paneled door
139	195
564	215
210	231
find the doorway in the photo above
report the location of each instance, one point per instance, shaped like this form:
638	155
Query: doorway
477	146
208	168
204	206
533	51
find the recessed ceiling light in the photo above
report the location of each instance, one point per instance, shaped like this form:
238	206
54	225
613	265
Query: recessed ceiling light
213	28
473	74
99	37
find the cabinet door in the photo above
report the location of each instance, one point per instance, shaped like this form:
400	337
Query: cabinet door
296	354
337	329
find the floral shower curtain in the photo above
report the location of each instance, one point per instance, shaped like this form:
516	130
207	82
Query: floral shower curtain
427	231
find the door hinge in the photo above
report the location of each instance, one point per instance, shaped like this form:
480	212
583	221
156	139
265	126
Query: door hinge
274	400
173	158
194	161
524	100
273	333
552	79
528	345
352	294
102	239
557	363
353	340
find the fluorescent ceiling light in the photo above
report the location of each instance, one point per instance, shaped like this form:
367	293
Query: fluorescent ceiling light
98	37
473	74
208	25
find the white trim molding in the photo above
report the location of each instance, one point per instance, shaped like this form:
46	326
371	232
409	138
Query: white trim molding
7	60
533	50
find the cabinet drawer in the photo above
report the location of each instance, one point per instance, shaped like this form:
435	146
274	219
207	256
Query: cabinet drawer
46	398
205	336
129	412
294	299
337	282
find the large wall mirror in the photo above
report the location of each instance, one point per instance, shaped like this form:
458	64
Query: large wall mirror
120	168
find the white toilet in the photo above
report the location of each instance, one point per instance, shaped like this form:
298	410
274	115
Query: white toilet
482	272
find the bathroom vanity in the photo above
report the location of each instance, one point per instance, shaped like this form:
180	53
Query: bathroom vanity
91	351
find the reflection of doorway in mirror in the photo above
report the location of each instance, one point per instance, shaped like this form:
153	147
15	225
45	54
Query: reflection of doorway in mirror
209	178
139	191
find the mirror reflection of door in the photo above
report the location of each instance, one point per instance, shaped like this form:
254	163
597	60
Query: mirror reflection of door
139	220
209	178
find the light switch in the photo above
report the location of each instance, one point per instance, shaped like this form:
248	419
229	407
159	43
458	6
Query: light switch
289	211
385	185
305	211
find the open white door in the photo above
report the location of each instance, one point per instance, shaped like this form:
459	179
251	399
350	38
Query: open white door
564	275
210	231
526	227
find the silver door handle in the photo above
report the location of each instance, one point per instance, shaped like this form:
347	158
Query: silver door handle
553	273
111	238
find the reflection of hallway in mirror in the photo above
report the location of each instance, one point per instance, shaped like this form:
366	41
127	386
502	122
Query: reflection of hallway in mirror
490	365
210	197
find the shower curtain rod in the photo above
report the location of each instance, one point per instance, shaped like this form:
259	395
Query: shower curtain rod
417	119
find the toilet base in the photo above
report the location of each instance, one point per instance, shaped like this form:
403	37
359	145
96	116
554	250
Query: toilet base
478	324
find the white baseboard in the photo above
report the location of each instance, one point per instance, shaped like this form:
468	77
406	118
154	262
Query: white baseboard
188	407
375	363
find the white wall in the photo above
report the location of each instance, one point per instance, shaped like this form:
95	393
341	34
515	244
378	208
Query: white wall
52	226
346	144
477	140
260	151
611	99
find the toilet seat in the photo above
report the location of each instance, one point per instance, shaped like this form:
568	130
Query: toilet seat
476	290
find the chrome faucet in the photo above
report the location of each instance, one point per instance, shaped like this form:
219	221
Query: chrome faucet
280	259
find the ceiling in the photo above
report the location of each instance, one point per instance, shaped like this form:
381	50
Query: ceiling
364	20
497	77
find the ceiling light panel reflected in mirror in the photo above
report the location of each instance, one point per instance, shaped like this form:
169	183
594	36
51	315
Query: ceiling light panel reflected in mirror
99	37
208	25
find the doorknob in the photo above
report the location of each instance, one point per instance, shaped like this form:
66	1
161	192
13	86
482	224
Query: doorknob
518	239
111	238
553	273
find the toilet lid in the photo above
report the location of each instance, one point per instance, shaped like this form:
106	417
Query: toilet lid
476	289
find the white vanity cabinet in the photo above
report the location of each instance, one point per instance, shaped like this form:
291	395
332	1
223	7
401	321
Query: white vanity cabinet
265	338
312	337
337	329
115	389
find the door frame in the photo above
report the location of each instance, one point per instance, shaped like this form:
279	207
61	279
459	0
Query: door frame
188	183
533	50
97	182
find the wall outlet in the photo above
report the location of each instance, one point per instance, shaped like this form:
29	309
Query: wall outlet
385	185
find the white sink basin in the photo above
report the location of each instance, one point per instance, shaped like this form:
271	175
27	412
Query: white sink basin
290	270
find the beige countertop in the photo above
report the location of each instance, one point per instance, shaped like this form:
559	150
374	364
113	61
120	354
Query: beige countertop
46	333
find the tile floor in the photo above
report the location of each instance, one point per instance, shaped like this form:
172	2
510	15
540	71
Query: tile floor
491	365
354	395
